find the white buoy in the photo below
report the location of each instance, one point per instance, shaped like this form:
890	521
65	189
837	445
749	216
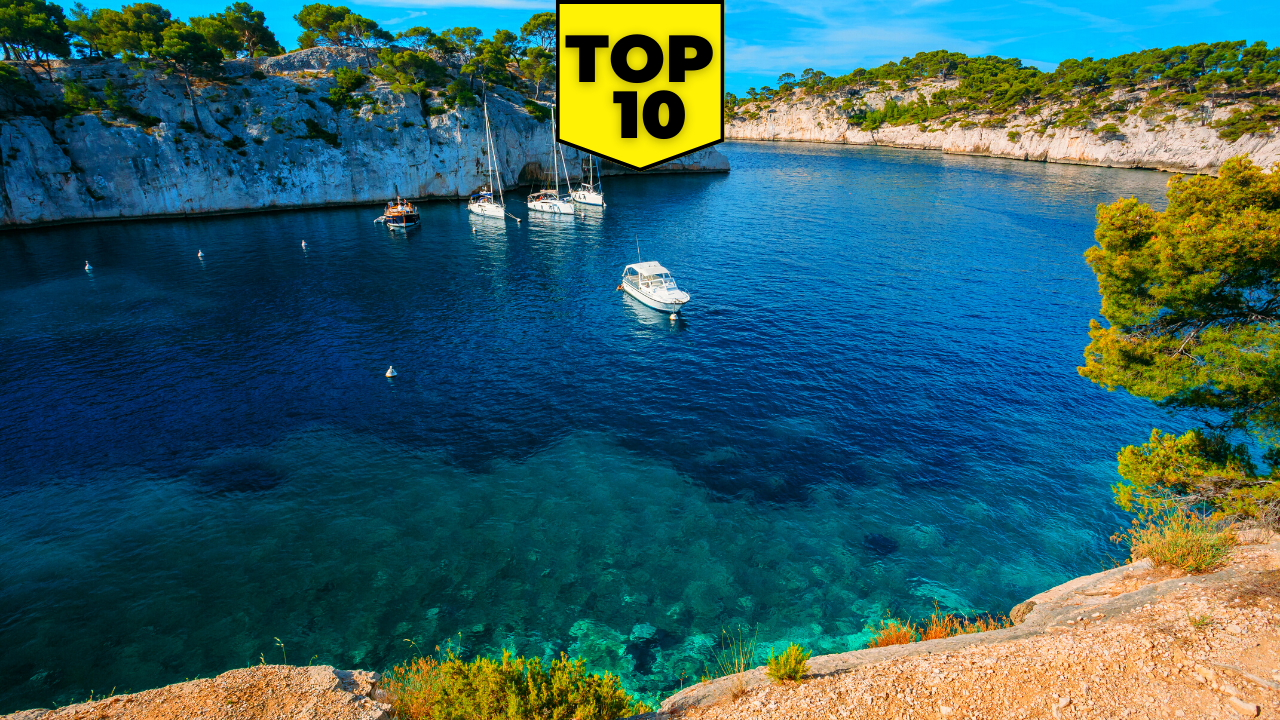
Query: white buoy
87	266
200	254
391	372
675	316
304	244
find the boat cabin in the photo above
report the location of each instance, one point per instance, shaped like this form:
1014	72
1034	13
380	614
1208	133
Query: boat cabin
648	276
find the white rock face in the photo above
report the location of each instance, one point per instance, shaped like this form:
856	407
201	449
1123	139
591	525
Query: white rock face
257	154
1186	144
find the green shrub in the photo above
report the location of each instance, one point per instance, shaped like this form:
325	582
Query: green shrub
1257	121
235	143
1179	538
1108	129
116	102
507	689
78	96
790	664
345	83
278	124
1014	136
258	75
539	111
184	125
316	132
303	90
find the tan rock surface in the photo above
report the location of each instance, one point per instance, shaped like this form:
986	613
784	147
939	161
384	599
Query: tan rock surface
257	693
1137	642
1185	144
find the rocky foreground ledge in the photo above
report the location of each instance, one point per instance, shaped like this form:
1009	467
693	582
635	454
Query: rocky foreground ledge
1134	642
1137	641
262	692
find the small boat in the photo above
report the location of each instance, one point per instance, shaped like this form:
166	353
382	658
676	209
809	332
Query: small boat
399	214
549	199
488	202
589	191
652	284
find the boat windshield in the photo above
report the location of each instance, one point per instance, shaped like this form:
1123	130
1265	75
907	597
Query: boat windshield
482	197
651	282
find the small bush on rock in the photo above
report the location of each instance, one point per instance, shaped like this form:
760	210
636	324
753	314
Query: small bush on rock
893	632
510	688
1179	538
790	664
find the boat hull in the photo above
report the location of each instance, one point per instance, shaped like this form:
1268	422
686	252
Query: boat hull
656	304
487	209
552	207
588	198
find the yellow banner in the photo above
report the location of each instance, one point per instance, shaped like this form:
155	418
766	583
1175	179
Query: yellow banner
640	83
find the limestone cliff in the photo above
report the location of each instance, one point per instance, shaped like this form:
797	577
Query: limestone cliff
1173	139
268	142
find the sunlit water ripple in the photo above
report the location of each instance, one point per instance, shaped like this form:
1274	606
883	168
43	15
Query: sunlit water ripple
871	406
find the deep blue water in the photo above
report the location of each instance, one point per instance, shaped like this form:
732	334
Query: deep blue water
870	406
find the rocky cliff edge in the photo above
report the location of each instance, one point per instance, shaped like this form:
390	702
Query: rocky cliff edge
268	141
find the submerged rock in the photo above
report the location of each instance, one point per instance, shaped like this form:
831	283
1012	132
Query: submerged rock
880	544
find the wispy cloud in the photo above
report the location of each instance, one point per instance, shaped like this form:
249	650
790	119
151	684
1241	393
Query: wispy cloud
1092	21
1203	7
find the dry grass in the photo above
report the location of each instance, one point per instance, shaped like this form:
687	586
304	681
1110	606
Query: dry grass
736	653
894	632
943	625
940	625
1182	539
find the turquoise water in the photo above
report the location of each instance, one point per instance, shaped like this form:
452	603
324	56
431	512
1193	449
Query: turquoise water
870	406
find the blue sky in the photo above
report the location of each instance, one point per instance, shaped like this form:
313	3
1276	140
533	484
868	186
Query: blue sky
769	37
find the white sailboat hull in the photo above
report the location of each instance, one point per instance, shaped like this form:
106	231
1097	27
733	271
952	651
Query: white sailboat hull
651	301
487	209
555	207
588	198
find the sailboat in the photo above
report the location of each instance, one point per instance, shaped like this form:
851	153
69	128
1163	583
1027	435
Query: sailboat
589	191
489	202
549	200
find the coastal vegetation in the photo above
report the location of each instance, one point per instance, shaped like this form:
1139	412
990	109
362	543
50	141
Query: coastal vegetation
1185	540
1191	296
450	64
789	665
892	631
513	688
950	87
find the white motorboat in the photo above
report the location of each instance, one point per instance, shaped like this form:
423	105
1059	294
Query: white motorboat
549	199
589	191
652	284
488	202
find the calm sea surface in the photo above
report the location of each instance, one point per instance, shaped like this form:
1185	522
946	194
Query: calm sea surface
871	405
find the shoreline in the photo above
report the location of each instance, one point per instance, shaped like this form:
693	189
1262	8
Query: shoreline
1130	614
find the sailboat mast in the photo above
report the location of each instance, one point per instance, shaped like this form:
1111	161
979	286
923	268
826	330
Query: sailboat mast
495	178
555	168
